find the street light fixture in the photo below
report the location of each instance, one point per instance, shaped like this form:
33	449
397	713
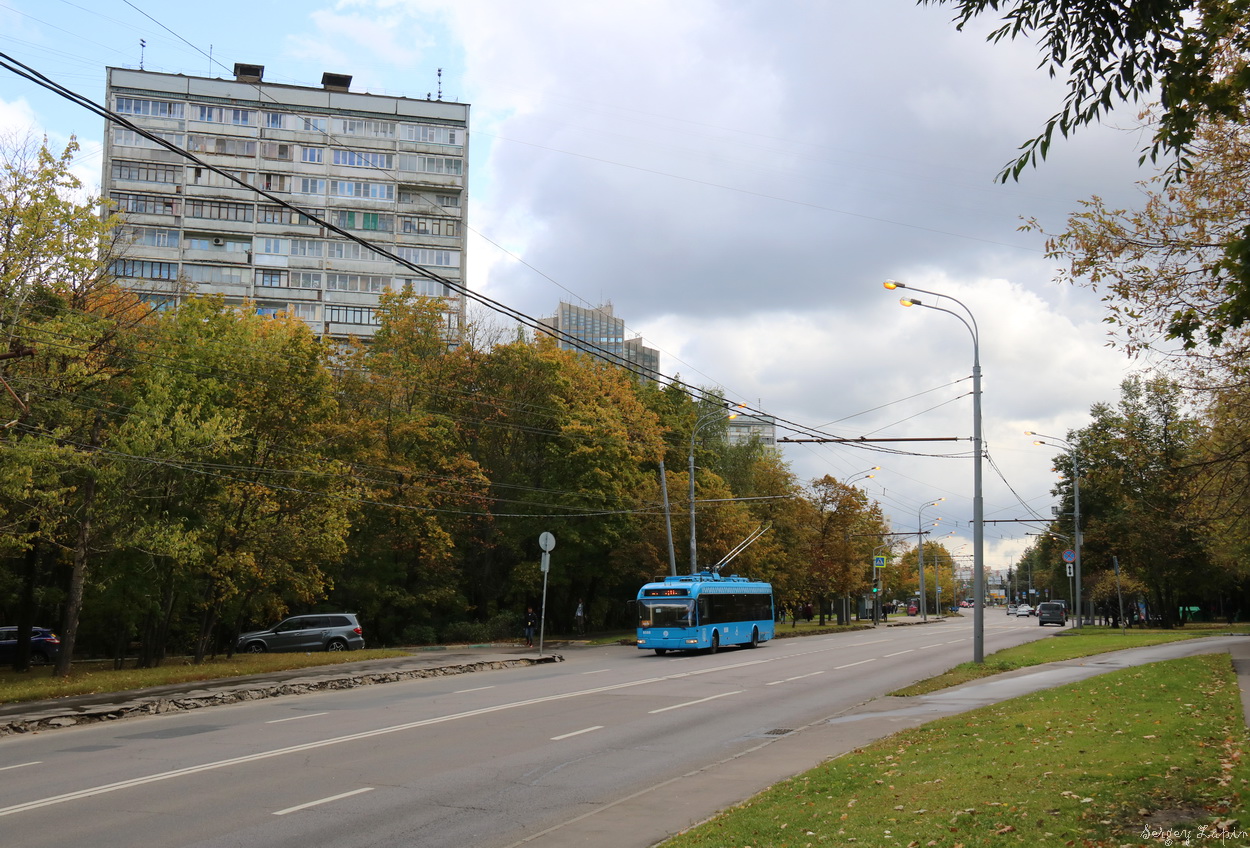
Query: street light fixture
978	500
704	419
924	614
1056	442
863	475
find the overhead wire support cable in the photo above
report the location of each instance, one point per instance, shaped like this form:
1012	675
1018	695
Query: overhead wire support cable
23	70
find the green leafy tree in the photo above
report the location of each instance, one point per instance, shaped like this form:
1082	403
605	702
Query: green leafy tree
1137	500
1194	54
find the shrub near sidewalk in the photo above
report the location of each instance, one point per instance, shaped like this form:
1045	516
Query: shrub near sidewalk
1120	759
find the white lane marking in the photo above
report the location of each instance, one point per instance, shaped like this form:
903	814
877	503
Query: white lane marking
835	668
956	641
21	765
295	718
873	642
934	645
899	653
599	671
799	677
577	733
477	689
322	801
353	737
692	703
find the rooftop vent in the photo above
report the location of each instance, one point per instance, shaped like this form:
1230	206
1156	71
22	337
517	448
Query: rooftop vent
335	82
248	73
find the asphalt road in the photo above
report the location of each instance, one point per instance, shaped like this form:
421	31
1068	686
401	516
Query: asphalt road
611	747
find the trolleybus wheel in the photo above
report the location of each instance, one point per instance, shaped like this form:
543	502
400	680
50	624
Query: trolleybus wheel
715	643
755	637
659	652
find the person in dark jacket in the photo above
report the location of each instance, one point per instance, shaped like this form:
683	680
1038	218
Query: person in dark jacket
531	624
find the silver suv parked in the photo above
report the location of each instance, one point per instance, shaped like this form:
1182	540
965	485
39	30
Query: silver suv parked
321	632
1052	612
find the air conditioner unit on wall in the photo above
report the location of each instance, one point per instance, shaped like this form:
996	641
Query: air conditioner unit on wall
219	242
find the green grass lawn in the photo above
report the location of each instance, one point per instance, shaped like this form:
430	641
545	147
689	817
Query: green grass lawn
89	678
1108	761
1066	645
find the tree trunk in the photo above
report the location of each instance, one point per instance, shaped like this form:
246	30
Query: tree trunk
73	602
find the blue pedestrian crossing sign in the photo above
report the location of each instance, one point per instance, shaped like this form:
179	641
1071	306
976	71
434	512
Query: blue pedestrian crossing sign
878	562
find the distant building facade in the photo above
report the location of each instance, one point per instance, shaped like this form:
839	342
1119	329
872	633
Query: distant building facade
604	335
743	427
392	170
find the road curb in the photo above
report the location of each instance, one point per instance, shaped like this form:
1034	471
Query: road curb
51	715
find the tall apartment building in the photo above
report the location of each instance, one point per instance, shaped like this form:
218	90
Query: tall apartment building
392	170
742	428
600	328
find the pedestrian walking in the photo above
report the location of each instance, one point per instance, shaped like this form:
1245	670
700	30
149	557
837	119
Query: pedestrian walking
579	617
531	624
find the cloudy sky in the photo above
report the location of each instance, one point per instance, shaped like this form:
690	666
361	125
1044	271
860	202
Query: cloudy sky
737	178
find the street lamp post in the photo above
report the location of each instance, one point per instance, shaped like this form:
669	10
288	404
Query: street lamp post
700	422
1056	442
924	614
863	475
978	500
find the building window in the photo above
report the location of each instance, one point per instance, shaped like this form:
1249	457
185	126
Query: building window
214	274
225	115
129	138
275	120
315	155
358	188
275	182
219	211
304	311
221	145
280	247
354	126
269	214
217	243
309	185
351	250
155	108
431	164
154	237
423	287
430	226
271	278
352	315
448	201
144	269
146	204
305	279
357	283
307	247
362	159
429	256
428	134
145	172
319	125
275	150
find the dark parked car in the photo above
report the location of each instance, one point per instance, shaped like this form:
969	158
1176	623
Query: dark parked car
1052	612
321	632
44	645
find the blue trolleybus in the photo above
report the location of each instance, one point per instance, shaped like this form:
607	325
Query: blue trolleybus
704	611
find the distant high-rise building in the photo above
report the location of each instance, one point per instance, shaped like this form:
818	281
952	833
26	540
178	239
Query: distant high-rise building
392	170
604	335
743	427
